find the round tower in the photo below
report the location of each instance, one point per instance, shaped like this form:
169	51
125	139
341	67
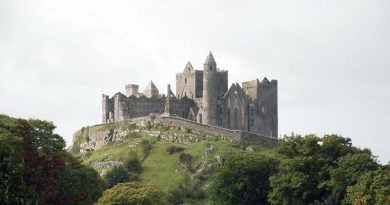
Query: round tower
210	93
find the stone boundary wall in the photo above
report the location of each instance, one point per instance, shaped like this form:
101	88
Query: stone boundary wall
94	137
222	133
201	128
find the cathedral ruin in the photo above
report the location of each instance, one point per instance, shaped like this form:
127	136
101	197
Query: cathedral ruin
203	96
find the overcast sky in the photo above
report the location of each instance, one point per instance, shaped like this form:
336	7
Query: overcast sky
331	58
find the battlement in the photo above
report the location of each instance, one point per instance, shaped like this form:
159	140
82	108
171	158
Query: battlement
203	96
131	89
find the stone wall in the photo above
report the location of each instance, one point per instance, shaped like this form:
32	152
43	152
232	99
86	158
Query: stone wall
219	132
264	98
92	138
203	96
207	130
120	107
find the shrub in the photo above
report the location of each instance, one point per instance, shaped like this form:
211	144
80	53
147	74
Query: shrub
134	193
185	158
173	149
117	175
177	195
134	164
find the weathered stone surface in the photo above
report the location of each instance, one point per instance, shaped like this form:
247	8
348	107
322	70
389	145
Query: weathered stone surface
106	164
207	169
203	96
168	128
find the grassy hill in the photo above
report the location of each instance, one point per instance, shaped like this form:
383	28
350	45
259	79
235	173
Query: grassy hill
181	169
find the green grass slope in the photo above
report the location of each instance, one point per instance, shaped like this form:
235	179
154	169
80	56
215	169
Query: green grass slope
164	169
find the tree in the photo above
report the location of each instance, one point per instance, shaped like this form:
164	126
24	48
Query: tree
372	188
349	168
134	193
77	184
311	169
243	179
35	168
11	163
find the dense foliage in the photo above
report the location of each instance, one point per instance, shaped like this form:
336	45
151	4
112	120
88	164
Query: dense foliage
118	174
317	170
305	170
134	193
371	188
133	164
173	149
35	168
124	173
243	179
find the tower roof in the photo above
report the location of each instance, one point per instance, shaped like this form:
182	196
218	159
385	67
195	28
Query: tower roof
188	67
210	59
151	90
265	81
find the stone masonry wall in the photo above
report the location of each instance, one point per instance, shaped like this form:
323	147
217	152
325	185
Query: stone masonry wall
92	138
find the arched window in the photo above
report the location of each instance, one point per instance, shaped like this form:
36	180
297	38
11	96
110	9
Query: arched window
211	68
185	80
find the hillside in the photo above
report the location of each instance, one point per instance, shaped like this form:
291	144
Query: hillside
179	161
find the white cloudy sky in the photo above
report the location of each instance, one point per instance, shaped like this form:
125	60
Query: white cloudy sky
330	57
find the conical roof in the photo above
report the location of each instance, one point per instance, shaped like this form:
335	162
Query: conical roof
210	59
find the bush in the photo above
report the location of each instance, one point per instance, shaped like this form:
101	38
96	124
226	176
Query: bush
177	195
134	193
118	174
134	164
173	149
185	158
133	177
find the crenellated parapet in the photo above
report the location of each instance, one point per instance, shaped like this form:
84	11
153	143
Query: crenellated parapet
202	96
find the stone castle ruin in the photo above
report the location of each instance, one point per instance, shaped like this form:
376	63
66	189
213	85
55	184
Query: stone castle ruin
202	97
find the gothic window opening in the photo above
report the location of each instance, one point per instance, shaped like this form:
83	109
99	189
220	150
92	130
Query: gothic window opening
211	68
235	116
228	116
251	115
185	80
219	112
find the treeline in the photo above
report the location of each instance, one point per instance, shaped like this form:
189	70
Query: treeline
304	170
36	169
